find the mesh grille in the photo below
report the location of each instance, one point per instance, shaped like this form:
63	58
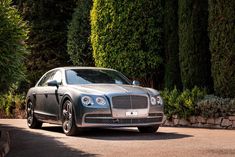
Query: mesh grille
130	102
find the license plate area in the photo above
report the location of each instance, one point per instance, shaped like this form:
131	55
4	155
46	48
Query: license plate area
131	113
137	113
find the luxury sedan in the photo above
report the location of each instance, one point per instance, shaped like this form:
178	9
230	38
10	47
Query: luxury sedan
78	97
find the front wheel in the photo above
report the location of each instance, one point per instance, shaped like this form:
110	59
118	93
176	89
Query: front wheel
68	120
32	122
148	129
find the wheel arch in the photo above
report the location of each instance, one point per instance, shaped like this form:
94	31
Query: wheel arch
28	99
74	102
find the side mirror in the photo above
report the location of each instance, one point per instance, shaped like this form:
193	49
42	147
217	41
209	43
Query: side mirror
136	83
53	83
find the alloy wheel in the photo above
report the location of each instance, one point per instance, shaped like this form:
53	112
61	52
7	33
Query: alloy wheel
30	113
67	116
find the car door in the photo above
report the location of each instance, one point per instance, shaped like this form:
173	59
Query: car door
40	96
53	97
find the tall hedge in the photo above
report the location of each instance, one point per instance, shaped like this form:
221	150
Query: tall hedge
48	35
79	45
13	33
171	45
222	46
194	55
127	36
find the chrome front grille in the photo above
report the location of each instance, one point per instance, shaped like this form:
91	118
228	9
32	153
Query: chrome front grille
130	102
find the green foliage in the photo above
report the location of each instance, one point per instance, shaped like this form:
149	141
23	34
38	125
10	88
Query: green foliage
214	107
48	35
194	53
171	45
13	33
183	103
79	45
127	36
195	102
11	101
222	46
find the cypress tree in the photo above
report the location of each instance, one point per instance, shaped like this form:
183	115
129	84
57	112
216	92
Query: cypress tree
171	45
79	46
194	53
222	46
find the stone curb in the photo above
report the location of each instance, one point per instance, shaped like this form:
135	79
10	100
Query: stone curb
4	143
202	122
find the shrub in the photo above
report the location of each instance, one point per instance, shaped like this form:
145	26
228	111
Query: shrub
13	33
222	46
78	45
127	36
10	102
214	107
195	102
171	106
194	55
183	103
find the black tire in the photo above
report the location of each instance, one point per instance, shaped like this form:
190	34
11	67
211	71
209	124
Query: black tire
32	121
148	129
68	120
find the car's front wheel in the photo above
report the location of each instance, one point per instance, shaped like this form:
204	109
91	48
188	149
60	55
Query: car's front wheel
68	120
148	129
32	122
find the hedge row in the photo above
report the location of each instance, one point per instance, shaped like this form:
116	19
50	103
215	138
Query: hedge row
146	40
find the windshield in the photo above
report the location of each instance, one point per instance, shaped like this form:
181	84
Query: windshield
91	76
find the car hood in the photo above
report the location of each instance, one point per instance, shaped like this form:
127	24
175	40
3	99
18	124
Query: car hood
112	89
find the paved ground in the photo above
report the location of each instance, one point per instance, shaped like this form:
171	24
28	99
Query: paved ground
168	141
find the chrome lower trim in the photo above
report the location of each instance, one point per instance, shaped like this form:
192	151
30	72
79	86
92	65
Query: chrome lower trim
105	121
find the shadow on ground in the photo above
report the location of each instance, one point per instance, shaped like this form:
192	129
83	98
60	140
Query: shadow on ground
25	143
117	134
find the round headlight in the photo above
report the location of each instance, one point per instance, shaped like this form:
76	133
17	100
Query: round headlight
159	100
153	101
100	101
87	101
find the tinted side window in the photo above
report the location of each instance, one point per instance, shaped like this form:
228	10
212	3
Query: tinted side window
58	77
47	77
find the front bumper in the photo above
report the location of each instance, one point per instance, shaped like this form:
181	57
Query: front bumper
103	117
116	116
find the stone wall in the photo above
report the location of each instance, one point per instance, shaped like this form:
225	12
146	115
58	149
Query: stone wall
201	122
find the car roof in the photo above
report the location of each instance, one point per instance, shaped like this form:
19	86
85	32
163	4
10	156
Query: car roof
80	67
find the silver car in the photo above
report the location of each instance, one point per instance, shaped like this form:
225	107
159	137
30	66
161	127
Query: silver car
78	97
